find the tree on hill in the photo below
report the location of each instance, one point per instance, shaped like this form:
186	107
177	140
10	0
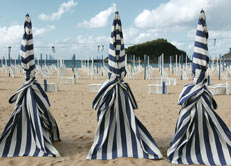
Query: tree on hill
154	49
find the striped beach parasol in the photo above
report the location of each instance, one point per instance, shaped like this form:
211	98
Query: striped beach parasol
119	133
201	136
31	128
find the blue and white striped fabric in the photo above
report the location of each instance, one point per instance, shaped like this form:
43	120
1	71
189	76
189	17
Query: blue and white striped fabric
201	137
200	54
27	50
116	57
119	133
31	128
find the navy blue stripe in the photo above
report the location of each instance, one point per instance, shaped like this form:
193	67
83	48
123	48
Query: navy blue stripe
131	96
42	92
133	137
32	67
188	148
201	56
36	120
218	144
116	22
114	146
113	46
197	66
27	59
201	22
197	137
8	142
201	45
27	47
19	134
101	133
29	129
122	125
37	150
112	58
206	140
116	71
181	120
201	34
27	37
116	32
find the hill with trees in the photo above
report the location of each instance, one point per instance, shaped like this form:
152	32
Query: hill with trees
154	49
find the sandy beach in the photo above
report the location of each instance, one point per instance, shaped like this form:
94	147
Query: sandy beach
72	108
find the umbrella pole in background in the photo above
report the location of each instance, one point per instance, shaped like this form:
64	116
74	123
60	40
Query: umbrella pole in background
186	61
162	63
4	61
161	68
176	69
145	66
181	67
102	65
223	62
9	59
46	60
172	57
19	60
219	72
41	60
97	63
169	63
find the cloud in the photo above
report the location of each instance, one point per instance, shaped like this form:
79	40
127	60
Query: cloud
176	12
40	31
134	35
64	7
100	20
177	20
12	35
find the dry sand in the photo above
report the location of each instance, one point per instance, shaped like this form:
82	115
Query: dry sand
71	107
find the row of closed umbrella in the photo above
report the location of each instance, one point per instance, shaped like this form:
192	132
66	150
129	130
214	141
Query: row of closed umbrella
201	137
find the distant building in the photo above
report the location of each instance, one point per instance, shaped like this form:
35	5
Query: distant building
228	55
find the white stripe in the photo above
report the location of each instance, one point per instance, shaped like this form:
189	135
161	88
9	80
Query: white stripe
118	133
200	27
24	132
113	39
201	133
27	18
192	149
110	138
201	39
27	42
212	141
13	143
126	123
149	143
113	53
199	61
27	53
200	51
28	31
117	65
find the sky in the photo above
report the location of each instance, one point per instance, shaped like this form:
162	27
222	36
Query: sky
79	26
